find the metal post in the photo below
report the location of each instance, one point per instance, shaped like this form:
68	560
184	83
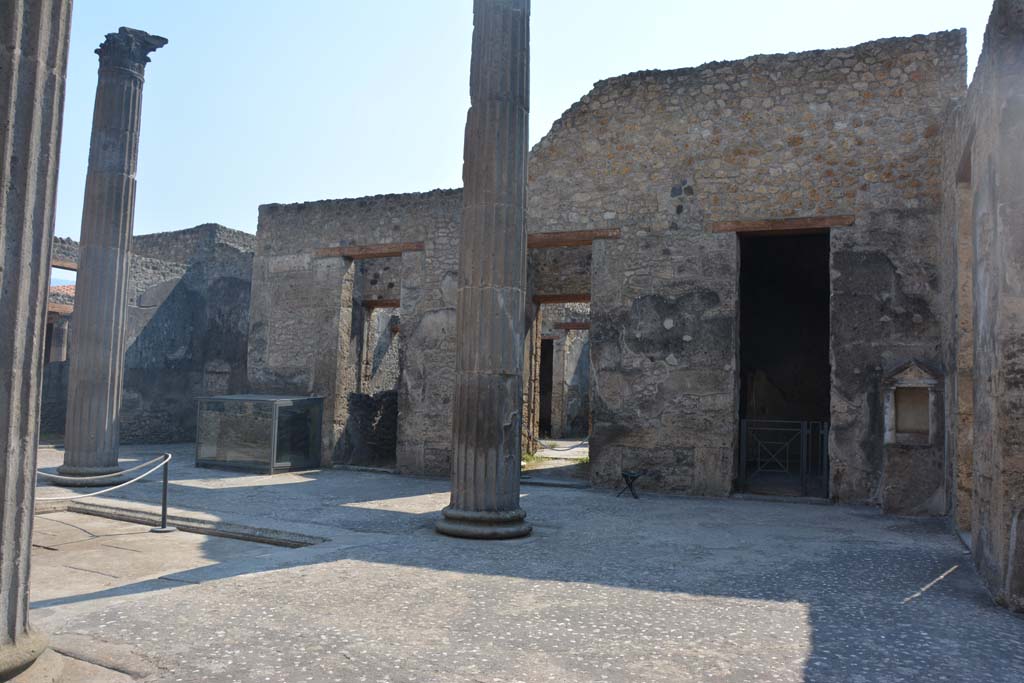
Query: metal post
804	455
163	528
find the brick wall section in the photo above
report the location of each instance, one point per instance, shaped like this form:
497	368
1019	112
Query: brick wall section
661	155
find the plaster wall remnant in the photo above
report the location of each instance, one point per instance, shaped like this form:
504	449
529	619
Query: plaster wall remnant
983	182
97	359
491	308
33	66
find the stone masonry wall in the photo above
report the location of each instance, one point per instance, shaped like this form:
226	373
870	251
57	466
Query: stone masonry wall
662	155
306	336
984	183
187	327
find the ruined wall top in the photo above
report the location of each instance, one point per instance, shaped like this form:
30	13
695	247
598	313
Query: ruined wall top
825	132
175	246
191	244
379	219
713	77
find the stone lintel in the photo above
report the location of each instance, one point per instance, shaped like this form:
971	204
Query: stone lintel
784	224
64	265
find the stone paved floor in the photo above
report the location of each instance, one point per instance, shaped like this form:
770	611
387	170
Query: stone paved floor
606	589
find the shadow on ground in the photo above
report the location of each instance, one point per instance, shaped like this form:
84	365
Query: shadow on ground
660	588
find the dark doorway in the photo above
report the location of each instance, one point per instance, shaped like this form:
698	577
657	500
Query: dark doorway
547	348
784	364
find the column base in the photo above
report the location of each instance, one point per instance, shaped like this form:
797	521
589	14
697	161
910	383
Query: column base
77	471
16	658
483	525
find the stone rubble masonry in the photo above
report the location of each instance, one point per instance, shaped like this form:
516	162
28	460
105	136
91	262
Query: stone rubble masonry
292	287
186	336
853	131
97	359
65	250
662	154
984	186
491	308
33	67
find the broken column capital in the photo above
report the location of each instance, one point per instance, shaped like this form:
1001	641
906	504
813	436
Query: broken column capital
129	49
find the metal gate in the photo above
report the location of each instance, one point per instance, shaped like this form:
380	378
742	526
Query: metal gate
786	457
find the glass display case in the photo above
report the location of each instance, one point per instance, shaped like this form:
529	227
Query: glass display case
258	432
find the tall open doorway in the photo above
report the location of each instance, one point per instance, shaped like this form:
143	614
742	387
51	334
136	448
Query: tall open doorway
546	370
784	364
556	405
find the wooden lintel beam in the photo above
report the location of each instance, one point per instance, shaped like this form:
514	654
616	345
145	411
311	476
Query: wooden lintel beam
60	309
368	251
382	303
571	238
784	224
64	265
561	299
572	326
550	337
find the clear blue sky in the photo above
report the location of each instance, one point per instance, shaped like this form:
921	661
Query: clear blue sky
260	101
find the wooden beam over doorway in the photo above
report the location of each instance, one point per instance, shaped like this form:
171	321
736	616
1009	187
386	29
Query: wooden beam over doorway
368	251
561	299
60	309
784	224
571	238
572	326
382	303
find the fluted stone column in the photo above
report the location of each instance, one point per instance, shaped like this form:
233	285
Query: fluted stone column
59	340
97	356
33	64
490	310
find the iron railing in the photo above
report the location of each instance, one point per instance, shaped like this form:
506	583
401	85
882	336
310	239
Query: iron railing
785	456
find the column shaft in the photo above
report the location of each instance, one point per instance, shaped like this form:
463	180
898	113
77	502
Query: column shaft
33	65
97	359
490	312
59	340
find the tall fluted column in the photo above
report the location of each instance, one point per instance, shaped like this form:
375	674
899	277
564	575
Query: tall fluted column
490	311
97	356
33	64
59	340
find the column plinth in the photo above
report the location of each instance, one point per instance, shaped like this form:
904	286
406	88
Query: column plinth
97	355
491	306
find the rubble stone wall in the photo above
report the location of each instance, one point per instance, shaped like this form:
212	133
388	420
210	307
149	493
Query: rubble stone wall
662	155
984	179
186	332
307	329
